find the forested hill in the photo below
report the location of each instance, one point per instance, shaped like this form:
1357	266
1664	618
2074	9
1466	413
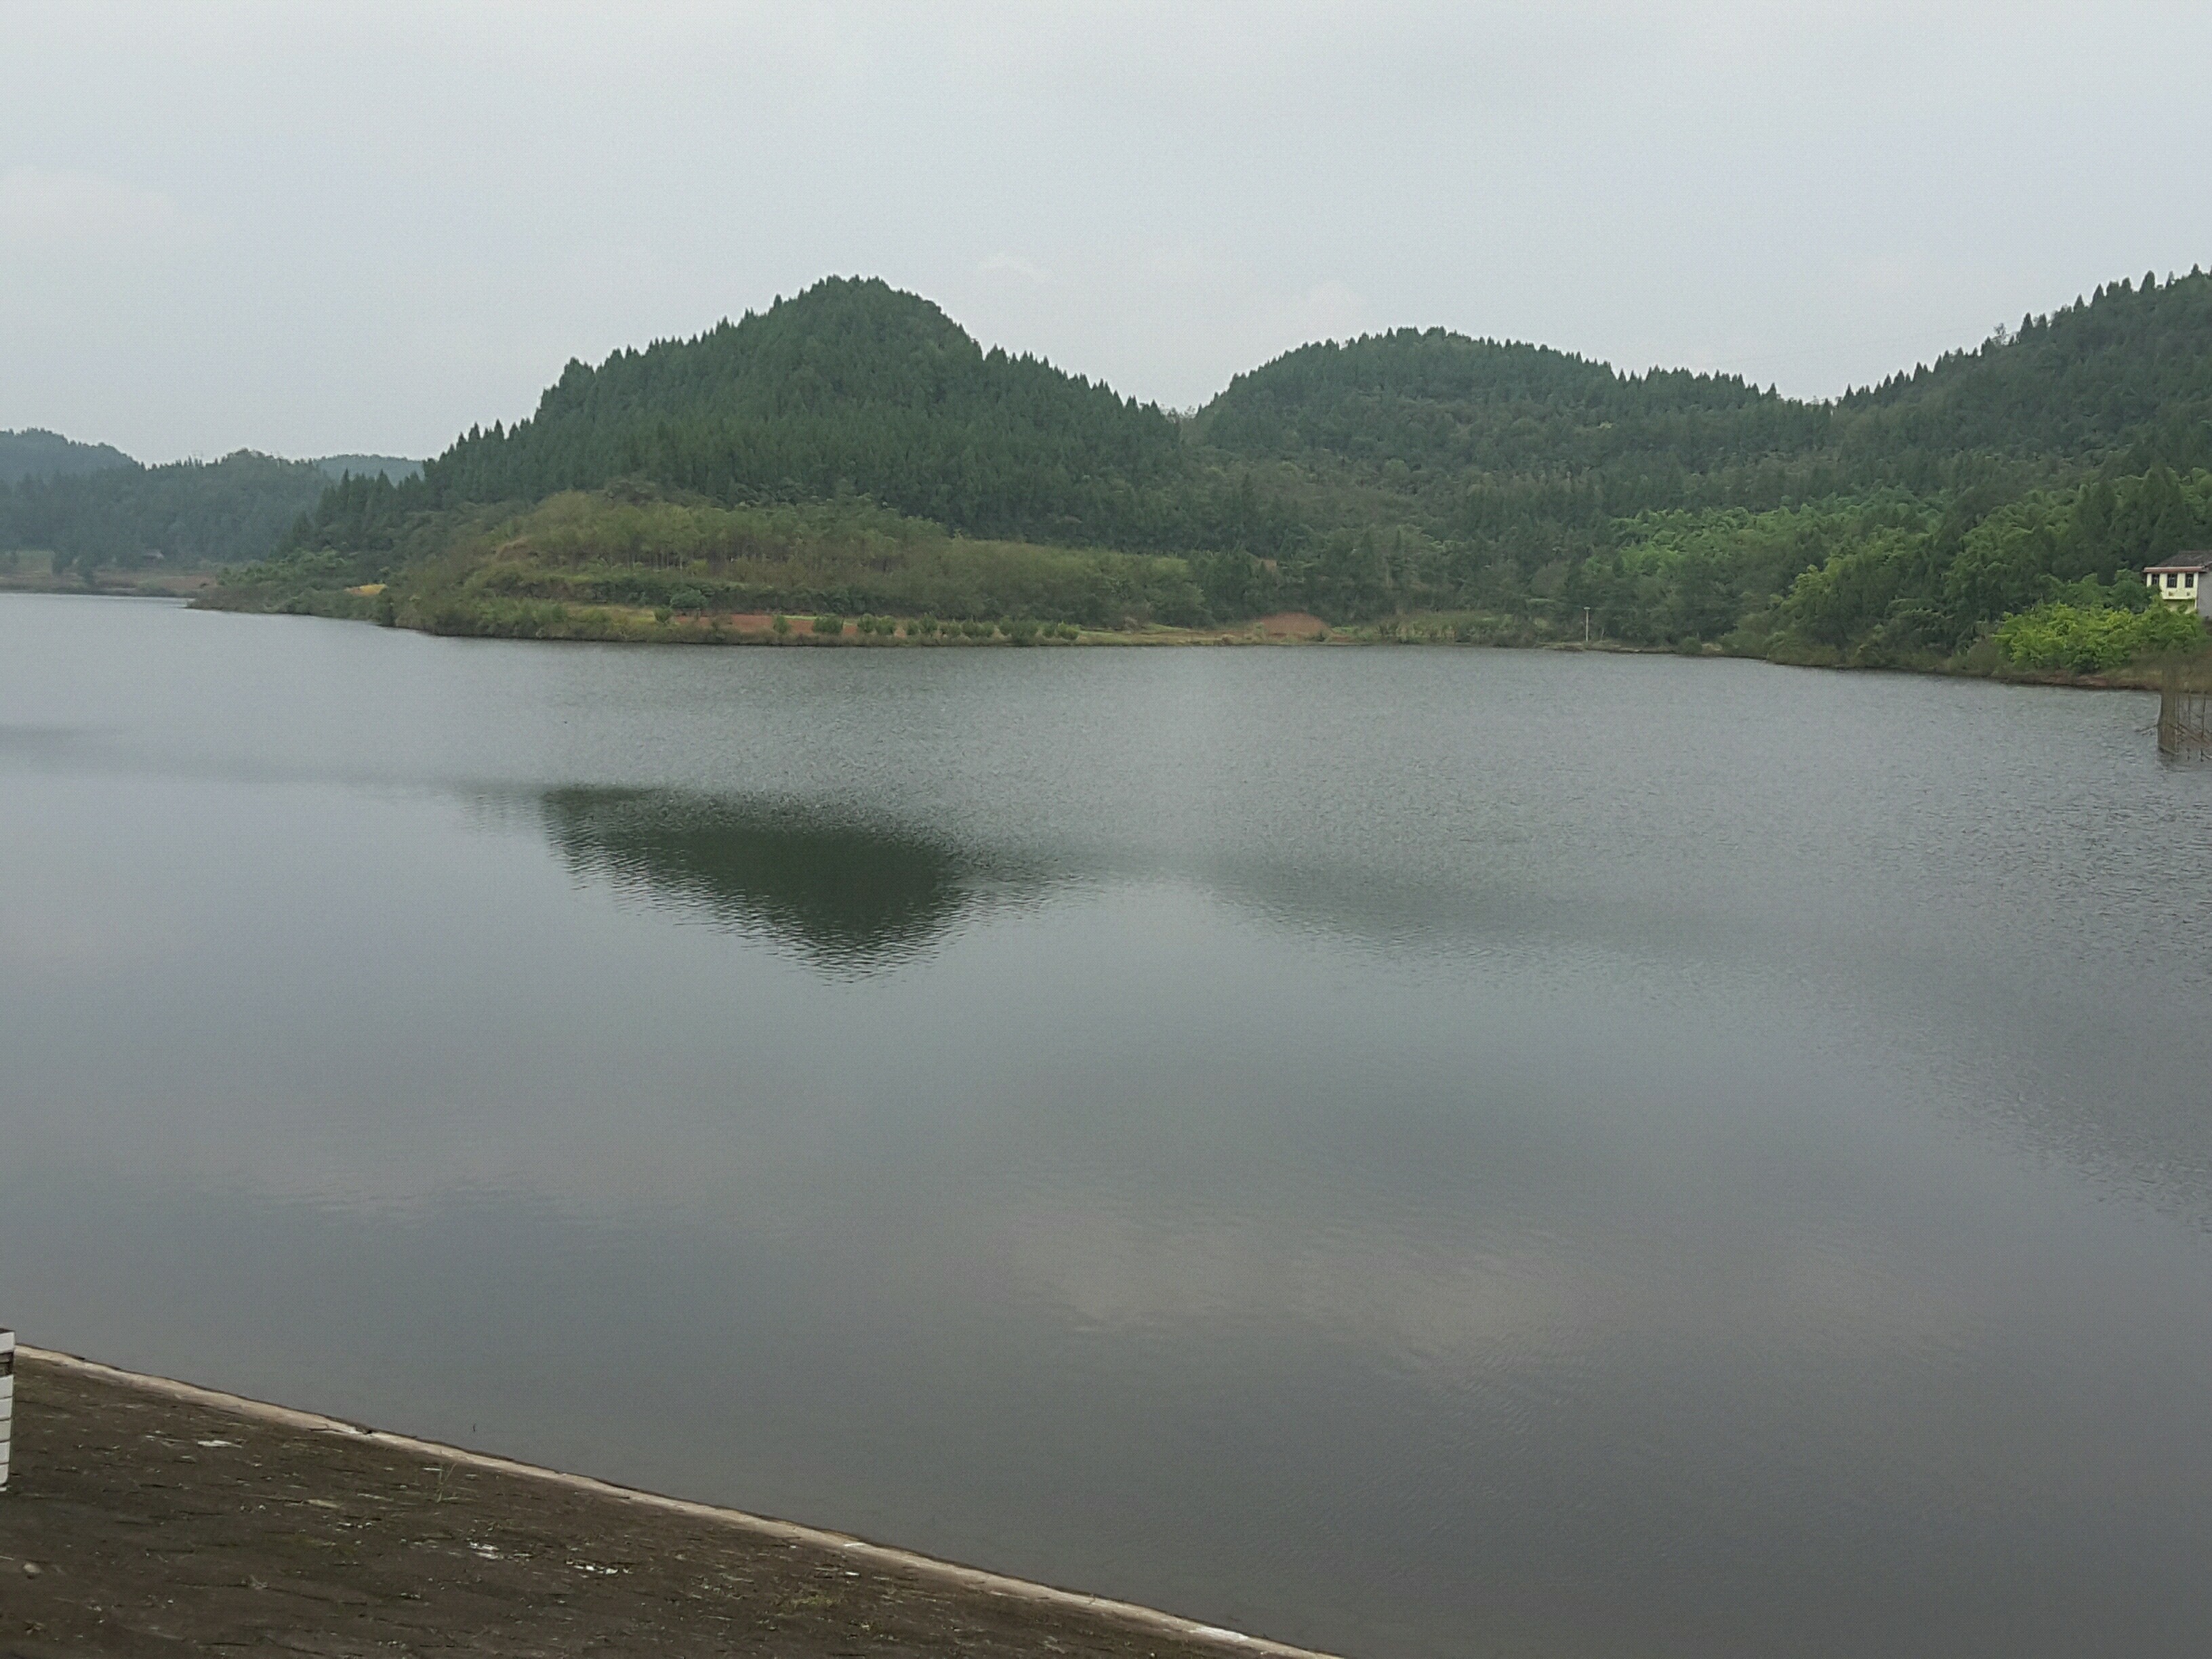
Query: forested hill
34	454
850	388
2125	374
1431	412
189	513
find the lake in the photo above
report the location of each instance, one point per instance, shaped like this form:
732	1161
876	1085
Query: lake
1413	1152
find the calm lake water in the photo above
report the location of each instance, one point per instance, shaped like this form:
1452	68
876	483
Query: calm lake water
1436	1151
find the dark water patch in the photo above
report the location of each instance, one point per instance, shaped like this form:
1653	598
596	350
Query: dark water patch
853	897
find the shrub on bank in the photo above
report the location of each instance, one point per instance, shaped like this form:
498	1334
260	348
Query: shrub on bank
2079	639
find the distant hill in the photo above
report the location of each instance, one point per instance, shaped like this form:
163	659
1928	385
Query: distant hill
226	512
393	467
1485	438
851	387
1432	400
1431	412
35	453
94	507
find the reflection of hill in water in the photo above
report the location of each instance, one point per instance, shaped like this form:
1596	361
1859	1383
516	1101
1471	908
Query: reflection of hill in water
851	896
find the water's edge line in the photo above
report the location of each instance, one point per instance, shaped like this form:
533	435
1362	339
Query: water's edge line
1125	1613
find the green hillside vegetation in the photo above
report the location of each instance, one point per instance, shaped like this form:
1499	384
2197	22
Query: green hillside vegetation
132	517
393	467
1527	484
36	453
96	510
852	449
1481	433
2094	638
851	387
584	564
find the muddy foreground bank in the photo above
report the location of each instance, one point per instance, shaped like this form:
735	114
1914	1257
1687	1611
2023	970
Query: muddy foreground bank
145	1518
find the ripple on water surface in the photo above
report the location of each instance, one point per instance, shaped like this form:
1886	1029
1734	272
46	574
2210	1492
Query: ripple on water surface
1414	1152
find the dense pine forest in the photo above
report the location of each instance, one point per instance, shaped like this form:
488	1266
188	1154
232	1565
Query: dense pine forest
852	450
129	517
90	510
851	388
35	453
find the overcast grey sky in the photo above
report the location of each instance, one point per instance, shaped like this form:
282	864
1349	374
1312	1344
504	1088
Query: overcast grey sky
310	229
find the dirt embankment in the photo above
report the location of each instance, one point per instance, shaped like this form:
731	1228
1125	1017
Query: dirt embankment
143	1518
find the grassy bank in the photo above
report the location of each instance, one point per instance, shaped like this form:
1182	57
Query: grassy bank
588	565
36	572
632	564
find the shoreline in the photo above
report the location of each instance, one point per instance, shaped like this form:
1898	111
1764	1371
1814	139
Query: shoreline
1251	632
185	585
311	1432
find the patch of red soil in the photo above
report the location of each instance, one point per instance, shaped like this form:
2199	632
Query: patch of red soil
763	621
1292	625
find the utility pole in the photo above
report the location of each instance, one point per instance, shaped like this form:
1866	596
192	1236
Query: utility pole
1586	610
